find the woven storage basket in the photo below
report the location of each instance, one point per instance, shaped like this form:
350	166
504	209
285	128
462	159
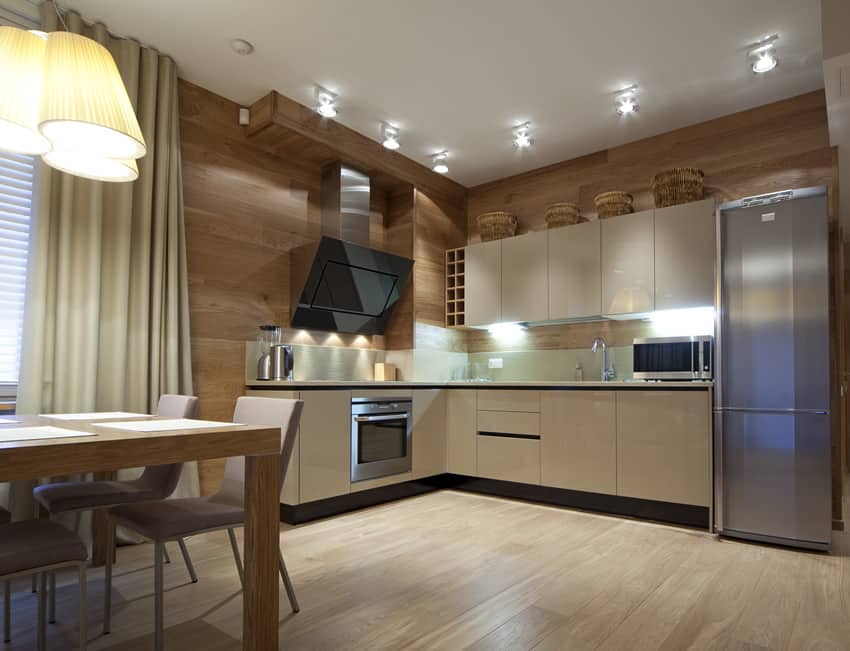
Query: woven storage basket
612	204
562	214
496	225
678	185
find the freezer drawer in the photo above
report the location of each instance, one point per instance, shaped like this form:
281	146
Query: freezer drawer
776	476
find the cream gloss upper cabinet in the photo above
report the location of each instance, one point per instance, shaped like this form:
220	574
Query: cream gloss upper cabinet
574	260
483	283
628	264
525	296
684	255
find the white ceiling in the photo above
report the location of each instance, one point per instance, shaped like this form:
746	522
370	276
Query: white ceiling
458	74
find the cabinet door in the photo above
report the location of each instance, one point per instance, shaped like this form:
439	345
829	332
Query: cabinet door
575	271
289	494
429	432
325	444
628	264
684	255
461	415
483	283
525	294
663	446
509	459
578	443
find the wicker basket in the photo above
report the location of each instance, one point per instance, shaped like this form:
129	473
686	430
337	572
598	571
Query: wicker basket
678	185
612	204
496	225
562	214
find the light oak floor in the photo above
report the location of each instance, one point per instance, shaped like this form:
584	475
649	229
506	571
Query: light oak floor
452	570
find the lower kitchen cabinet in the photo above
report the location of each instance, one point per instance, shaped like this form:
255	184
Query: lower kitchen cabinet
429	432
664	446
325	444
578	445
509	459
461	414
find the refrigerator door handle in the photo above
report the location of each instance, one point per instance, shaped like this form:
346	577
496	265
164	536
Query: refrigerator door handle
749	410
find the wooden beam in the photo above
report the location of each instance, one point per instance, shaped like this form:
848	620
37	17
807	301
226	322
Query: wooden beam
275	111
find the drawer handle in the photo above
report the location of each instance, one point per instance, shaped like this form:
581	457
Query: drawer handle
506	435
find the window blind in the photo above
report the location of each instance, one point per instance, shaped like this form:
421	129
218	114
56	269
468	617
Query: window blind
16	177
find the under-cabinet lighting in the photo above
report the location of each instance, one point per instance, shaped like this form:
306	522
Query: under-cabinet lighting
438	162
390	135
685	322
763	55
508	331
522	136
326	100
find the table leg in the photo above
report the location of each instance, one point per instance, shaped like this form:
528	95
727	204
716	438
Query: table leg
262	536
98	526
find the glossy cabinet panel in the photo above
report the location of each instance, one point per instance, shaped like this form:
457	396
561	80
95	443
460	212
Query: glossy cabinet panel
509	459
483	283
575	271
684	255
525	296
509	422
461	414
508	400
628	264
429	432
663	446
290	493
579	440
325	444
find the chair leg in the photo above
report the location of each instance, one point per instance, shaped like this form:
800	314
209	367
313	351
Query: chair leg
158	594
84	629
51	612
42	606
287	583
107	575
187	559
7	611
165	556
235	547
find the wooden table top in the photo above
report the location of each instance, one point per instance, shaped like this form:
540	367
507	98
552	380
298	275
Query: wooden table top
112	448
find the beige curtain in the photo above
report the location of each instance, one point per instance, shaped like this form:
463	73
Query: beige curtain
106	324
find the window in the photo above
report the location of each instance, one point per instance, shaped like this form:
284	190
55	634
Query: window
16	174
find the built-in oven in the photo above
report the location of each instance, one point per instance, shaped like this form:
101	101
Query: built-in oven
674	358
381	442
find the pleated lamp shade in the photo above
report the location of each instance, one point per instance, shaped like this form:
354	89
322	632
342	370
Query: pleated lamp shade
113	170
22	56
84	105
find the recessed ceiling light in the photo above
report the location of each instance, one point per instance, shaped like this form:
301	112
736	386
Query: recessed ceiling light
438	162
626	101
763	55
522	136
326	102
241	46
390	135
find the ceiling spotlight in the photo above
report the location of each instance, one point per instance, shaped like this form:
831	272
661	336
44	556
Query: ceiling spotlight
438	162
763	55
241	46
390	136
522	136
326	100
626	101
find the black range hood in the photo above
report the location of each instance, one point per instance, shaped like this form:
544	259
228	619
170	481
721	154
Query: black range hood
347	287
339	283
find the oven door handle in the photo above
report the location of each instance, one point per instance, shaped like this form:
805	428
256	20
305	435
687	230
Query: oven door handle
372	419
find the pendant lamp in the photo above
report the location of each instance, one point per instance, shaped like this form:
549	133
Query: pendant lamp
114	170
21	64
85	109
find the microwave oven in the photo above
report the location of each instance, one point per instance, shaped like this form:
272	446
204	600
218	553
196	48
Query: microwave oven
674	358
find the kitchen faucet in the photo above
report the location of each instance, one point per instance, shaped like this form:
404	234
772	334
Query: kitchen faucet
607	373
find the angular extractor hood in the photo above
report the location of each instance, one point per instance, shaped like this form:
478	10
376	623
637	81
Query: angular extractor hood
339	284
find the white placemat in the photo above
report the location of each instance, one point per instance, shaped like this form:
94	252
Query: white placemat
97	415
8	420
36	433
162	425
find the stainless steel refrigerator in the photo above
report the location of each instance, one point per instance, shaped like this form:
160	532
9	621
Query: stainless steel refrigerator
772	421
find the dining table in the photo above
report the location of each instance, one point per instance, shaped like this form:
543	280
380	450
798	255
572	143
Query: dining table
46	446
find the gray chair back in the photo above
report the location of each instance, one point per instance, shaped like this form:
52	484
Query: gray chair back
284	413
165	478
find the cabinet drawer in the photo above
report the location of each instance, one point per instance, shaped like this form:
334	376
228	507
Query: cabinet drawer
505	400
509	422
509	459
